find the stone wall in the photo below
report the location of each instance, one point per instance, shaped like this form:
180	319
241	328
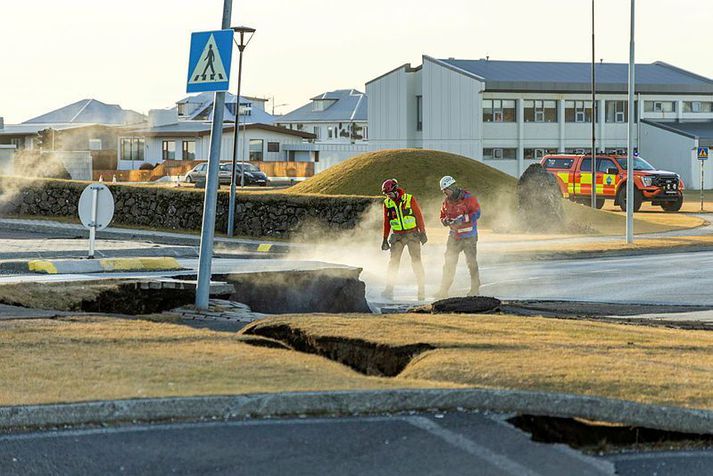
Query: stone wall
257	214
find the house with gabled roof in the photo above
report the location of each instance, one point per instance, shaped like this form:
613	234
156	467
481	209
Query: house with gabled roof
511	113
88	120
333	116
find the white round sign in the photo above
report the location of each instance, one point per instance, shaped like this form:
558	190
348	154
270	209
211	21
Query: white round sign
100	214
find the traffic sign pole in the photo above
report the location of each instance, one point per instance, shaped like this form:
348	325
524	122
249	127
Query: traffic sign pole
93	224
703	153
702	180
211	187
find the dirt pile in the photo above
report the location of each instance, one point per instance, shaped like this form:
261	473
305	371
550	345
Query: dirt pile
539	201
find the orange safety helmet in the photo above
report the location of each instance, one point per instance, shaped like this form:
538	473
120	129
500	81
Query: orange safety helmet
389	186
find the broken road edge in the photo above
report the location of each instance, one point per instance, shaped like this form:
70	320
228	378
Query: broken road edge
299	404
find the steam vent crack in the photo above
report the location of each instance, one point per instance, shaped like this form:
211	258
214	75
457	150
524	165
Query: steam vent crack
363	356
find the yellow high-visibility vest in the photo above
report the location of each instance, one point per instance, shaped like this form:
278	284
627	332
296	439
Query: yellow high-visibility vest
404	218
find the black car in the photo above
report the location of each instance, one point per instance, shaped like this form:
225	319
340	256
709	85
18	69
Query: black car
252	175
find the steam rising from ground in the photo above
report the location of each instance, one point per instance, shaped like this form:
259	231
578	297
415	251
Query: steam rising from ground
28	164
361	247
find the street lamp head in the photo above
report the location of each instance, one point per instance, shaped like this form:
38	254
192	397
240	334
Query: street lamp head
243	31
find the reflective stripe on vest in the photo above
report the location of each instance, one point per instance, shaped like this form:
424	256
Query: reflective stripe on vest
405	220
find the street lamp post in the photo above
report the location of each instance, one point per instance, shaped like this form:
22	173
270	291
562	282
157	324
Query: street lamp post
630	135
594	121
243	31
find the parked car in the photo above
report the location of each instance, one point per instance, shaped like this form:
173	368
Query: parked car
252	174
574	176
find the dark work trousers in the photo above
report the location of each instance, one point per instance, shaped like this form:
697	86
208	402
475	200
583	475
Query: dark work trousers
398	242
454	247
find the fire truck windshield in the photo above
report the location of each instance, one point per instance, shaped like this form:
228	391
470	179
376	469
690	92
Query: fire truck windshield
639	164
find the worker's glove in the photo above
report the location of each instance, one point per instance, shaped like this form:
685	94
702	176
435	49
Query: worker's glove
423	238
385	245
446	222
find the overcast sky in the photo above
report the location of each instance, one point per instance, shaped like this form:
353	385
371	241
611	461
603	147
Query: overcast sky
135	52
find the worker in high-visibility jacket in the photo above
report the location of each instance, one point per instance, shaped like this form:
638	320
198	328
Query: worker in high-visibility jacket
460	212
404	221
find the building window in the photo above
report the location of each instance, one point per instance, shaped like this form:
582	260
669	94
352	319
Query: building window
616	111
697	106
578	111
168	150
316	130
538	153
331	132
499	154
540	111
189	150
659	106
95	144
365	132
256	150
419	113
18	142
499	110
273	147
131	148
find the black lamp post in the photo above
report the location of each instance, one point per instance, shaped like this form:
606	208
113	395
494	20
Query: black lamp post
245	34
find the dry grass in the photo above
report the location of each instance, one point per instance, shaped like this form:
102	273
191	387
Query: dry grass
99	358
644	364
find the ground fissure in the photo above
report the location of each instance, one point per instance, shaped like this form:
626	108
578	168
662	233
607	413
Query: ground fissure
365	357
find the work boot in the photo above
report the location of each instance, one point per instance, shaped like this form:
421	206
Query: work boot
388	293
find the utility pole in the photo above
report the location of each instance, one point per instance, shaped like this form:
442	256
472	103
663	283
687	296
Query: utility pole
205	259
630	136
594	121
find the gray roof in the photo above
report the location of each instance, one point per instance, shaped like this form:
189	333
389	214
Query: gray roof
89	111
205	110
702	130
199	128
349	105
32	129
658	77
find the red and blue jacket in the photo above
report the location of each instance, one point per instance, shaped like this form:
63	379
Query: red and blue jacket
465	210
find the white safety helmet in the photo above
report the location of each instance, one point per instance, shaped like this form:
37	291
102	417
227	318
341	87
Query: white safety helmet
447	181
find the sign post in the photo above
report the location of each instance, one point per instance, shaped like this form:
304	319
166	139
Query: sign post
209	70
96	209
702	157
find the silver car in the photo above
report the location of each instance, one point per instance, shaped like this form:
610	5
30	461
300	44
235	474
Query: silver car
198	173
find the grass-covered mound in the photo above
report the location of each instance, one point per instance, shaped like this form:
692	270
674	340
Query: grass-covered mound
417	170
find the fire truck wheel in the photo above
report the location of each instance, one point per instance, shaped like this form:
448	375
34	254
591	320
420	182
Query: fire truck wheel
672	206
621	198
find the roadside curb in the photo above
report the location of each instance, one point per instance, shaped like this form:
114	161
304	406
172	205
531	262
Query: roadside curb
358	402
524	257
81	266
160	237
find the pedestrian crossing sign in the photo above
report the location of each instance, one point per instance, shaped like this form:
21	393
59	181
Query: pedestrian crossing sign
209	61
703	153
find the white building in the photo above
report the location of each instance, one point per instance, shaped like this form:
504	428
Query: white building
183	133
338	119
510	113
166	137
